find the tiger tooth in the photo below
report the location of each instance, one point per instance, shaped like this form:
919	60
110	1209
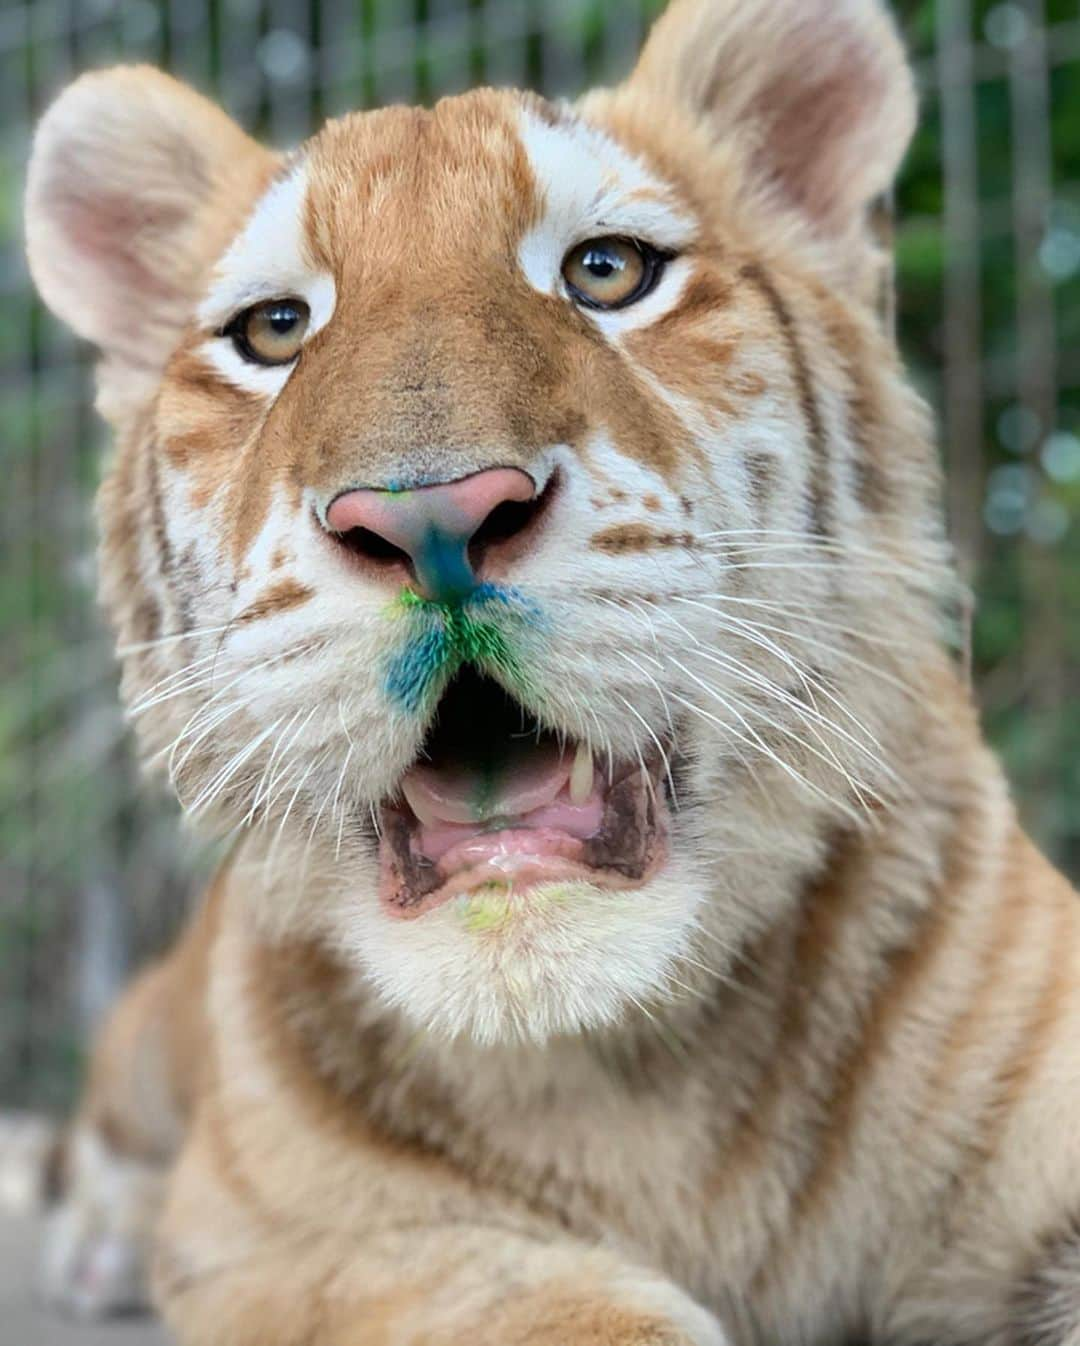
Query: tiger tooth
581	775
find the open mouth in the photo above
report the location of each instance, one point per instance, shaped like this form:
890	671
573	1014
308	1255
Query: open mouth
496	802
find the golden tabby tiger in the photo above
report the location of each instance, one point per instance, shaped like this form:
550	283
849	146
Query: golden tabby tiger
523	539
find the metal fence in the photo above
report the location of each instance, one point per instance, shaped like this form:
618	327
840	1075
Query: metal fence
93	874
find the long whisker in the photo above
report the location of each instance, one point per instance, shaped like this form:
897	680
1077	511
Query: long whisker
753	740
217	784
195	633
750	631
337	795
659	747
655	685
167	686
206	725
264	778
808	713
796	614
207	708
830	759
293	651
800	614
754	632
818	567
272	849
282	774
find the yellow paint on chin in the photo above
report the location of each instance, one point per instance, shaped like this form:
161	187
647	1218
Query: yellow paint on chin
486	908
492	905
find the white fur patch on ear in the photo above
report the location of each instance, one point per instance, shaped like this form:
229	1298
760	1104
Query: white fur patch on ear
271	259
591	186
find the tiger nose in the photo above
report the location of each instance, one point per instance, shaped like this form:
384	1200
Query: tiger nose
441	534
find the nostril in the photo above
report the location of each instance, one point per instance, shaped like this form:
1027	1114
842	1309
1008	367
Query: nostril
372	546
507	521
504	521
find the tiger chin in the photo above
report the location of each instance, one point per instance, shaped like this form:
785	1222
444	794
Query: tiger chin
522	539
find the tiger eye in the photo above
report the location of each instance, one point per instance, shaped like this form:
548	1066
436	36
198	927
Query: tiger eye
271	333
609	273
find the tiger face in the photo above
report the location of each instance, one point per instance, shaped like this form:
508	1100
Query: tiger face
520	528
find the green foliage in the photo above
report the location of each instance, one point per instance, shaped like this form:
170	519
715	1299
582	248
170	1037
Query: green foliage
1026	638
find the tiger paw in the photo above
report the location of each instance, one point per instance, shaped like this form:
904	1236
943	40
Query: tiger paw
643	1313
97	1240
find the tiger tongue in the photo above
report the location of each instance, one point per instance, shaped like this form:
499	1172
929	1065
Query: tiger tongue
530	776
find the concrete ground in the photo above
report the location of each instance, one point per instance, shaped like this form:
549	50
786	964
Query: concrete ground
24	1323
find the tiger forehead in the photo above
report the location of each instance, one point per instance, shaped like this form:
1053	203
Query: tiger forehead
464	173
383	181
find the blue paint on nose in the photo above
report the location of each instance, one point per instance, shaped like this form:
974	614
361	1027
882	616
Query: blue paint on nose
441	562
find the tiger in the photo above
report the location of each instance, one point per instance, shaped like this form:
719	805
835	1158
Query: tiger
524	546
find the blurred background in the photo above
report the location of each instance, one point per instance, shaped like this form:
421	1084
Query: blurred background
94	872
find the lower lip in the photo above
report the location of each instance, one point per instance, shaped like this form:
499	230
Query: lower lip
514	860
509	849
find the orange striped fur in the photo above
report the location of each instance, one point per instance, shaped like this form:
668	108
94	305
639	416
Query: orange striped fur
811	1076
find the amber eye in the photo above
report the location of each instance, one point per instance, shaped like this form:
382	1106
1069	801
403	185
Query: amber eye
611	272
270	333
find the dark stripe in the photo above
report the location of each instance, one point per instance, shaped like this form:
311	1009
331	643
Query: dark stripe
867	418
157	511
167	561
829	901
902	973
1045	1307
631	537
1034	1038
278	598
815	426
883	230
703	296
761	471
146	619
551	114
868	480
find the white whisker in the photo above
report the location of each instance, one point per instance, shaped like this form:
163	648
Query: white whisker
195	633
752	739
215	786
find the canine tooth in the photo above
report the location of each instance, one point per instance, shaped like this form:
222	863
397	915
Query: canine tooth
581	775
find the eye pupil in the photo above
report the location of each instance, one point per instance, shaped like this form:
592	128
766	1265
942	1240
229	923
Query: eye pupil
601	264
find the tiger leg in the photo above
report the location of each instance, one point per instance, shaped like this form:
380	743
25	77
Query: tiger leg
431	1268
143	1078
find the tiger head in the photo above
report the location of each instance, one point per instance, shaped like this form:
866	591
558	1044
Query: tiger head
520	529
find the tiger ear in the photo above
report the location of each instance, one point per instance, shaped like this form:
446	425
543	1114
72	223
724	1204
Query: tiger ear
819	92
135	185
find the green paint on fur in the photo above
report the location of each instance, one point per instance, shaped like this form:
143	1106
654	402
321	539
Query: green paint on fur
485	909
485	631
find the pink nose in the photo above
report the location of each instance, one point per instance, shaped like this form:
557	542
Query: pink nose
442	533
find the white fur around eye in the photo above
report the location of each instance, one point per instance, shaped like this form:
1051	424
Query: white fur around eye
663	297
265	380
270	259
591	186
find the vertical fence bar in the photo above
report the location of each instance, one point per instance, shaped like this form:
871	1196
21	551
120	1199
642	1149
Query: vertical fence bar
962	299
18	905
1036	376
103	924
